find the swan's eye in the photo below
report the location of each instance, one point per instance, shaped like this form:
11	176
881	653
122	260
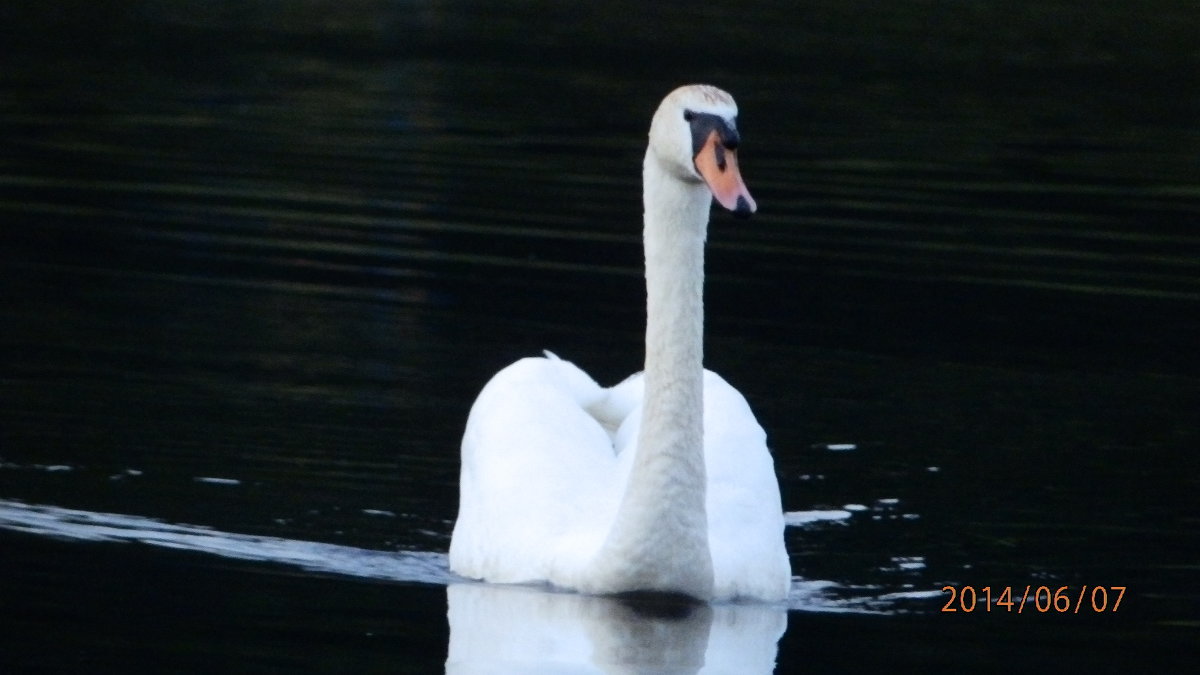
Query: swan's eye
688	115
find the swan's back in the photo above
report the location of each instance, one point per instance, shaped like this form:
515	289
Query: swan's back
547	453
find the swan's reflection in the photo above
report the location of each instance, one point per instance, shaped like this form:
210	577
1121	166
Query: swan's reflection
516	629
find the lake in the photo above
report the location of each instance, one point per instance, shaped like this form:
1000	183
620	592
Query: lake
258	258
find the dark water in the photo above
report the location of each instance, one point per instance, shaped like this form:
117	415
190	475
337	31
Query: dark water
256	259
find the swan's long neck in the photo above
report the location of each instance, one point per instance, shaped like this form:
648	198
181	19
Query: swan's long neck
659	537
671	442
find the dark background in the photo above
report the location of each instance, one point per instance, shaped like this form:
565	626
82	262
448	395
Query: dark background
286	243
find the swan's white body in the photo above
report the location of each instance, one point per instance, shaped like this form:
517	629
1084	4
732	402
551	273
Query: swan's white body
663	482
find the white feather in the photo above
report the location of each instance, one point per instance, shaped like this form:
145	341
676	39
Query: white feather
660	483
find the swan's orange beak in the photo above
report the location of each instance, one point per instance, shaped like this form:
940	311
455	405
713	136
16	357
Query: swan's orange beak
718	166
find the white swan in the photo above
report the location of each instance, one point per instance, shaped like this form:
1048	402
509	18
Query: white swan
664	482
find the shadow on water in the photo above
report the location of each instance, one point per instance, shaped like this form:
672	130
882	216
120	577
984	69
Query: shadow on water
257	259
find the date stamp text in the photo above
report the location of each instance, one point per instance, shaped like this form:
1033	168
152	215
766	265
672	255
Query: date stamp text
1041	599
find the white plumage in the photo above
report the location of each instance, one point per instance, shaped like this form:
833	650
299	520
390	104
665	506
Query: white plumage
662	482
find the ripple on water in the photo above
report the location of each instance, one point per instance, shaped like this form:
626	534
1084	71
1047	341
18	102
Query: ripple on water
426	567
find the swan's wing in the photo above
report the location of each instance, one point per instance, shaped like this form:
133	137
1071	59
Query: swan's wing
536	467
745	514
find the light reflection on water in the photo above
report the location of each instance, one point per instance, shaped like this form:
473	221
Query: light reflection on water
424	567
498	628
74	524
287	251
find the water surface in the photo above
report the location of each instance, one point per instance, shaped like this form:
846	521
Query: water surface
256	260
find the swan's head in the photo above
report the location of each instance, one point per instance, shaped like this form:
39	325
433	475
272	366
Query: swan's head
694	137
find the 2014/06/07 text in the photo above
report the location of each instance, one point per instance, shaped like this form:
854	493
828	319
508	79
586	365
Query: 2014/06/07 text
1090	599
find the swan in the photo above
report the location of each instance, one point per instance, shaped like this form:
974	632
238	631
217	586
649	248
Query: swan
662	483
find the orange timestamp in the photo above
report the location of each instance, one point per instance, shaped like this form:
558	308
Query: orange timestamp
1042	599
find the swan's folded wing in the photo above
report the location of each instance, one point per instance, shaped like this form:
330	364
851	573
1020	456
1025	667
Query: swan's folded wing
535	465
745	513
